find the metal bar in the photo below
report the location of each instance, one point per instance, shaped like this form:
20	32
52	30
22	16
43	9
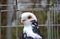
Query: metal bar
30	9
35	9
0	24
57	23
52	31
0	32
57	29
38	25
55	19
48	17
9	18
6	4
33	4
6	10
54	27
23	4
17	19
16	4
0	18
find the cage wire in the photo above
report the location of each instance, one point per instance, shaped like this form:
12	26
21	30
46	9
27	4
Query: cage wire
0	24
14	8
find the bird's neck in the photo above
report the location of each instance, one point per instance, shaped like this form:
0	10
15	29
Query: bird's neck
27	29
27	24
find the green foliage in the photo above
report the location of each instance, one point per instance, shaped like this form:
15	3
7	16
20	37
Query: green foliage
13	33
41	16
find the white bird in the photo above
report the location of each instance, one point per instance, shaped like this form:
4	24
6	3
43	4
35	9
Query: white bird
30	29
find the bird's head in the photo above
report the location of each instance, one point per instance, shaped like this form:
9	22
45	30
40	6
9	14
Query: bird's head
27	17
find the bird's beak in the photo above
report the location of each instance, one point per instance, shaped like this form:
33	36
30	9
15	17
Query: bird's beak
22	21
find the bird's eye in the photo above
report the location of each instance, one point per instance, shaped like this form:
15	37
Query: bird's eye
29	17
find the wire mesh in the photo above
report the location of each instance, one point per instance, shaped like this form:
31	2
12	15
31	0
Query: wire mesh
51	19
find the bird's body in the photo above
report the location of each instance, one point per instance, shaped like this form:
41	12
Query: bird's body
30	30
